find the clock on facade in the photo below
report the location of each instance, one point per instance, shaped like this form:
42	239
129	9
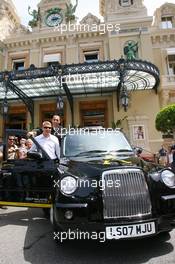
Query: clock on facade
53	19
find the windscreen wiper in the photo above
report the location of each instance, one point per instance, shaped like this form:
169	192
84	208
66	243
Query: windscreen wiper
84	153
120	150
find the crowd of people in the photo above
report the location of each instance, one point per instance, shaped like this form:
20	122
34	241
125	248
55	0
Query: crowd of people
48	136
166	156
18	150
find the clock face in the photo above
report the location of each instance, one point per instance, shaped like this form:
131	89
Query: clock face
54	20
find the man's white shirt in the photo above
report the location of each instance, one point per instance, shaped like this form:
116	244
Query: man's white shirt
50	144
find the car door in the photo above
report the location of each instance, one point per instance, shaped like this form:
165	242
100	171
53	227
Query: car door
26	182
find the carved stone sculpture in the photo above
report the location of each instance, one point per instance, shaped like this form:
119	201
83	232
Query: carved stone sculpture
36	17
70	12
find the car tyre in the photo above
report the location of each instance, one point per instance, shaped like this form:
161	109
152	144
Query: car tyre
165	235
56	229
46	212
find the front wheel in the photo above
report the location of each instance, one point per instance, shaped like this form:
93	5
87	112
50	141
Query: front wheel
46	212
165	235
56	229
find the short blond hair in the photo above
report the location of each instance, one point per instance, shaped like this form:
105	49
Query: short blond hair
29	141
47	123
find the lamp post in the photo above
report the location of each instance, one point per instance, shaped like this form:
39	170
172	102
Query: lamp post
5	114
124	99
5	106
122	93
60	105
60	102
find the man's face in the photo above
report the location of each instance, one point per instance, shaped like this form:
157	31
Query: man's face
29	143
47	129
11	140
22	141
56	121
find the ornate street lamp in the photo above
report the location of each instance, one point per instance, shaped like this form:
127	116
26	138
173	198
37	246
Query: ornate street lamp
5	107
124	99
5	114
60	102
60	105
122	93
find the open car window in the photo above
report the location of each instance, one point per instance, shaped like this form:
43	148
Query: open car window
42	152
16	149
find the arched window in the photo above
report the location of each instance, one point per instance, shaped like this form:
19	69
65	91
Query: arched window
171	64
126	2
168	16
167	22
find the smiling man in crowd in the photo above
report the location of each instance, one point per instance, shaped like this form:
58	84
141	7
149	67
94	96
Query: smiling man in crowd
56	127
48	142
12	148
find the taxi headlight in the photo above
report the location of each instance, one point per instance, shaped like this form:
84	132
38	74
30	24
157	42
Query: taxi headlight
68	185
168	178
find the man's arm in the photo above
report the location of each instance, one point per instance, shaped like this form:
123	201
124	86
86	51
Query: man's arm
57	150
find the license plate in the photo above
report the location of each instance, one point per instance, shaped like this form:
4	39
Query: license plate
128	231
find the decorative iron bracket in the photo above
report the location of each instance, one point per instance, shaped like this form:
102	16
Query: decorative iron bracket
27	100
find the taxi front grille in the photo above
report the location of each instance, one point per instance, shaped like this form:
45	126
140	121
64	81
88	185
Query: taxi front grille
125	194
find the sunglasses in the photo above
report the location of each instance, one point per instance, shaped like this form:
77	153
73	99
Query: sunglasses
48	127
11	139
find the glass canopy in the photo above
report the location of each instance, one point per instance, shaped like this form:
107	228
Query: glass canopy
98	78
87	78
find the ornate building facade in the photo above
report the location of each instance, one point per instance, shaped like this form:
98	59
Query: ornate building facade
51	42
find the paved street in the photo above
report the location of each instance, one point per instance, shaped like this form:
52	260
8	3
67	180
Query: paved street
26	237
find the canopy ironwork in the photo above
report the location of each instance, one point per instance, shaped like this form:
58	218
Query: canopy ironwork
101	77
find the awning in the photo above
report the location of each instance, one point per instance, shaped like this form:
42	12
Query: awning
103	77
87	78
52	58
170	51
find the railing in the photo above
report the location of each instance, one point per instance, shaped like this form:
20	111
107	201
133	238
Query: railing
168	79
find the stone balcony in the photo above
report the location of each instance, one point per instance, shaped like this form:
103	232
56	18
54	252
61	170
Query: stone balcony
168	81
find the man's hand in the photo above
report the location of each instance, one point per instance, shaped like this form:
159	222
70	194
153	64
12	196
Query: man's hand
32	133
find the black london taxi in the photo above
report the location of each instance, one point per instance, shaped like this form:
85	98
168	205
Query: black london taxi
98	185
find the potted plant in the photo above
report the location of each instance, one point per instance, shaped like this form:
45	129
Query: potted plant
118	123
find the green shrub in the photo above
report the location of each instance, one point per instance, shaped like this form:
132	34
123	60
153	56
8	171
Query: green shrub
165	119
118	123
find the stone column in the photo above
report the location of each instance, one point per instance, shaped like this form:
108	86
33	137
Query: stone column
35	53
164	98
71	49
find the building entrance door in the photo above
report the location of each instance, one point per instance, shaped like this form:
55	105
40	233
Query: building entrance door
93	113
48	110
17	117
